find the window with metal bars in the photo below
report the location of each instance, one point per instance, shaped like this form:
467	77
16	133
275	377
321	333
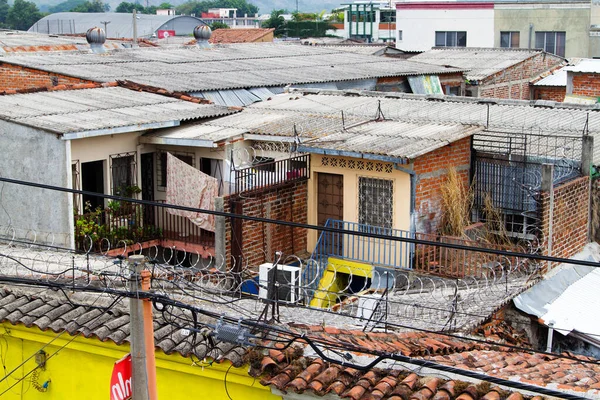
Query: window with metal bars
161	167
75	177
123	172
375	202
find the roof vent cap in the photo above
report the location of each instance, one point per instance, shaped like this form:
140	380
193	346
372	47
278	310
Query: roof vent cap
202	33
96	38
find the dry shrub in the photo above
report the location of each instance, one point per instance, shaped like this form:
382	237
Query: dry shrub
495	229
457	200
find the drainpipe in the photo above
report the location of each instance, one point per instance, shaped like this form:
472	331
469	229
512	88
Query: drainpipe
413	194
550	335
530	34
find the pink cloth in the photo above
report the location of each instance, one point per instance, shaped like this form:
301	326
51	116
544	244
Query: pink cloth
189	187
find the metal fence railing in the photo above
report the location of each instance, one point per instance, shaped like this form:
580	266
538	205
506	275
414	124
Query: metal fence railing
129	224
265	173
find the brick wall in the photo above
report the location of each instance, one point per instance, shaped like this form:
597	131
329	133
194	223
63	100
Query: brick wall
550	93
14	77
432	170
513	82
570	218
586	85
261	240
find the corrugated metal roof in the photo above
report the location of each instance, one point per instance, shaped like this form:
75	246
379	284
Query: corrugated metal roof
192	69
394	139
77	111
587	65
19	41
481	62
192	135
318	113
558	78
121	24
567	296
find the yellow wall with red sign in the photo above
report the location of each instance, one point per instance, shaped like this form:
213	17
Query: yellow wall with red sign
80	368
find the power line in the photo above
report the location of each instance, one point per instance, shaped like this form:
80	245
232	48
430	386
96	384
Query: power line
344	346
53	354
309	226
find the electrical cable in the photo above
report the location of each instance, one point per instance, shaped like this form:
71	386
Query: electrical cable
225	381
380	355
309	226
53	354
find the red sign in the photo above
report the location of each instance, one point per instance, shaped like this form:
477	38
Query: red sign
120	382
163	34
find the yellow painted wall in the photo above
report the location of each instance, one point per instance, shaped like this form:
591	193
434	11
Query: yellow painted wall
401	217
82	370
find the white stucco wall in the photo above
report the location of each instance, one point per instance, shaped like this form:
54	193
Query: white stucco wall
418	26
33	155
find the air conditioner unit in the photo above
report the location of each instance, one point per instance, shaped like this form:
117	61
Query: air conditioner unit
371	309
288	278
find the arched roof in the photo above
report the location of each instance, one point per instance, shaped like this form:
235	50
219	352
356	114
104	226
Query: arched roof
120	25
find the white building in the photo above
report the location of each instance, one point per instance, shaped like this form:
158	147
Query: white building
423	25
369	21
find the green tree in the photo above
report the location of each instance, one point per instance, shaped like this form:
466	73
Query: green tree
165	6
65	6
276	21
93	6
4	8
218	25
126	7
22	15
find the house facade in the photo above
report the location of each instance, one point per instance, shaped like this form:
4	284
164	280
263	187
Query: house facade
494	72
567	29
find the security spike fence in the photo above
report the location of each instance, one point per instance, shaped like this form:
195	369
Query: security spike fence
339	292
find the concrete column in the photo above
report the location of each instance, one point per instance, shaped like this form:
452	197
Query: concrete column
139	380
548	186
587	159
587	154
220	254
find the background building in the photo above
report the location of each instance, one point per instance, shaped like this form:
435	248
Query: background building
566	28
118	25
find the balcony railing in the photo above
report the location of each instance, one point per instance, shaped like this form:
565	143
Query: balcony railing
135	223
389	253
268	174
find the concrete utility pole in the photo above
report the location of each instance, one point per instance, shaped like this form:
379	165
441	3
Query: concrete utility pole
220	255
143	362
105	29
135	40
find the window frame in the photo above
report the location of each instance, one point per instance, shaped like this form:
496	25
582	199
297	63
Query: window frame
383	218
131	180
555	45
161	166
454	36
511	39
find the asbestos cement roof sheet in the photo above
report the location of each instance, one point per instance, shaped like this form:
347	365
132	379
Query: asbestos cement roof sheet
315	113
236	66
558	78
79	111
481	62
197	135
587	65
393	139
566	296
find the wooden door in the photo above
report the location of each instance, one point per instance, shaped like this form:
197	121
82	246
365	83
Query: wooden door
330	205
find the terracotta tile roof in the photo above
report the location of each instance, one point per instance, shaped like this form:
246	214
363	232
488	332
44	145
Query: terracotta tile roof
242	35
536	369
312	375
47	311
410	344
281	369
